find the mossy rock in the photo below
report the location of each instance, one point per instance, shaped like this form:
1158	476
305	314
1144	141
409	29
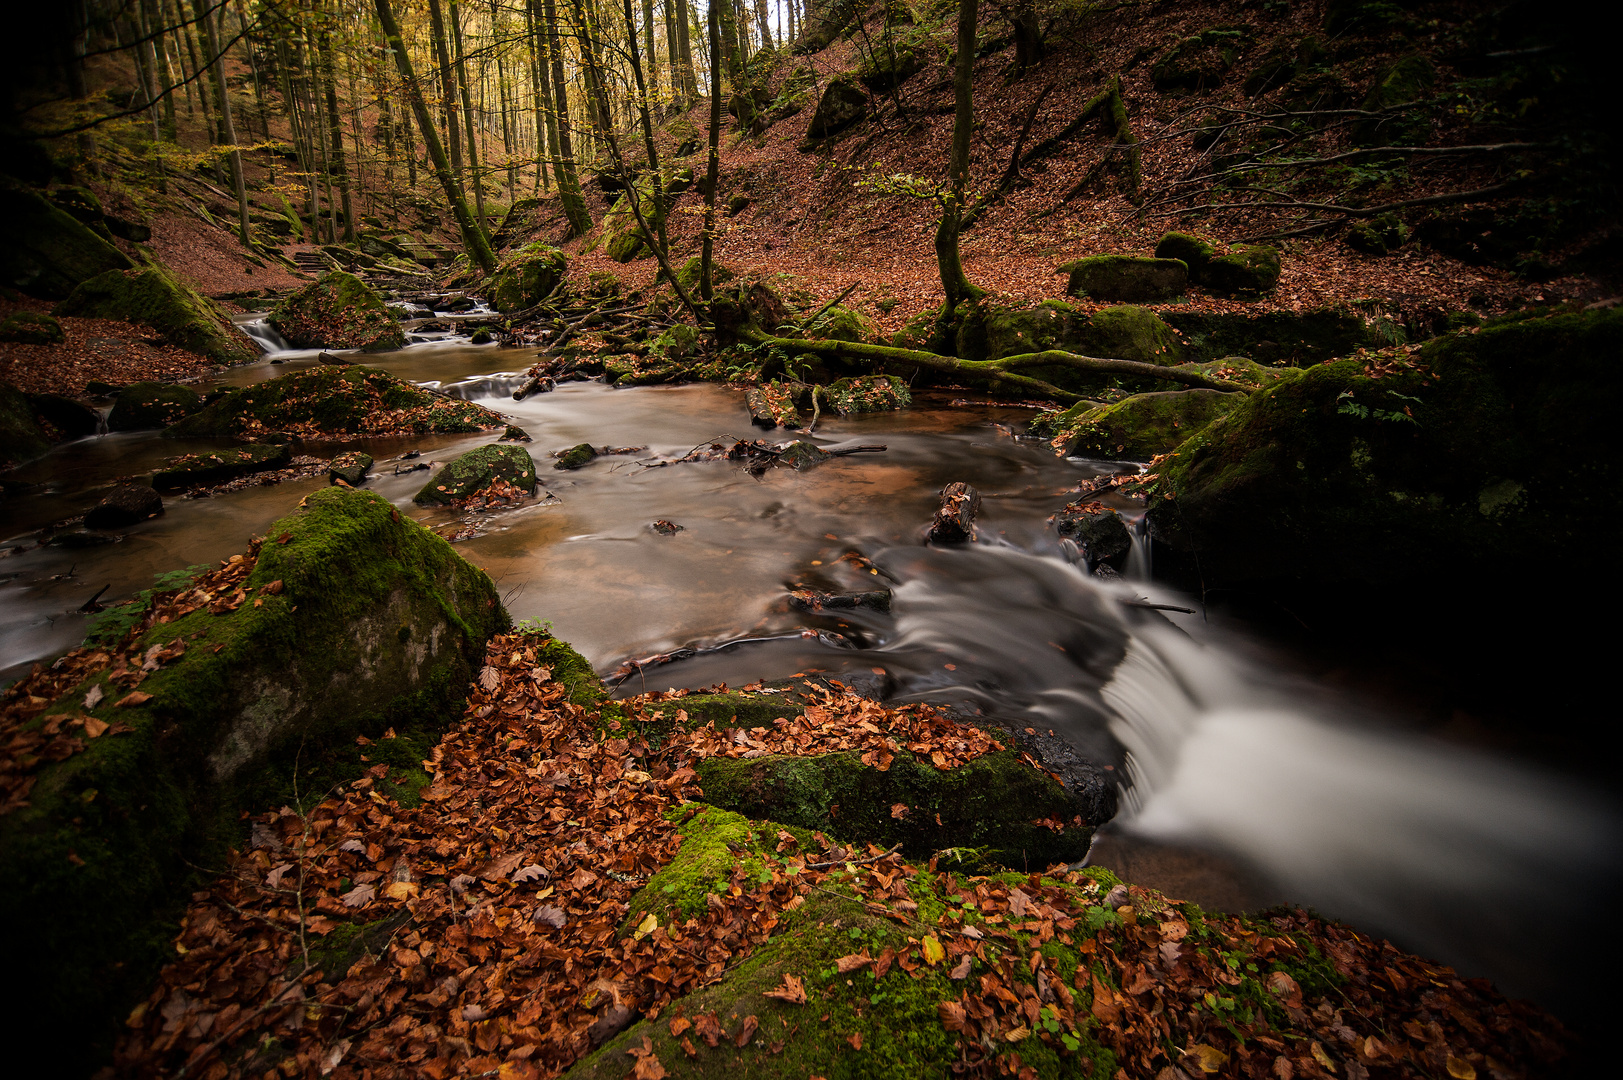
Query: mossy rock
726	710
1127	332
62	417
1406	81
31	328
1200	61
1188	249
45	251
576	457
1297	338
338	311
350	399
218	466
1127	278
124	505
152	405
892	63
1236	369
1251	271
1378	235
154	297
844	103
676	343
476	470
868	393
1098	530
1123	332
840	323
1489	448
621	236
351	467
1139	427
1007	331
688	273
21	437
376	623
526	277
990	803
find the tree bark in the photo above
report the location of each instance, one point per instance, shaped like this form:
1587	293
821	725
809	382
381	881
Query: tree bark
473	238
564	168
447	88
211	28
712	172
690	81
546	139
954	282
335	131
467	112
763	24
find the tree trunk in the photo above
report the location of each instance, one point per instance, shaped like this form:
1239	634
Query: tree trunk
447	88
763	24
564	170
541	97
690	81
467	112
335	132
166	74
210	26
473	238
954	282
411	149
712	172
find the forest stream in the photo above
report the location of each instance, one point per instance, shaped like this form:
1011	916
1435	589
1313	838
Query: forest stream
1245	781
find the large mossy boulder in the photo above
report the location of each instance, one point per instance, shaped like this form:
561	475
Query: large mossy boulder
1127	332
31	328
477	470
526	277
844	103
45	251
1126	278
338	311
21	436
1295	338
1137	428
154	297
1200	61
990	803
868	393
1188	249
359	622
842	324
218	466
1250	271
621	236
147	405
331	400
1477	452
991	332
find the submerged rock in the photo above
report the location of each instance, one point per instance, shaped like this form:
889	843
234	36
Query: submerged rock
350	467
148	405
526	277
1141	426
218	466
868	393
1126	278
476	470
126	504
576	457
338	311
154	297
801	455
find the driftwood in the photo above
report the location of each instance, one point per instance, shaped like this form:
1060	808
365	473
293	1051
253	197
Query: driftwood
955	518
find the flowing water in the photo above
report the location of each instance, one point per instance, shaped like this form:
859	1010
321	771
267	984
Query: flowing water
1278	788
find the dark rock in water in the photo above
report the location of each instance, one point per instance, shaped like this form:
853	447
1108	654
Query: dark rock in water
810	600
218	466
280	438
666	528
458	304
1096	528
515	434
31	328
1126	278
410	455
97	388
44	250
802	455
82	539
481	337
351	467
338	311
21	437
955	517
332	360
476	470
125	505
843	103
70	419
154	297
770	405
152	405
575	457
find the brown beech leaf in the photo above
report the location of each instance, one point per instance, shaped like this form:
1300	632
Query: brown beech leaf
132	699
746	1031
792	991
853	962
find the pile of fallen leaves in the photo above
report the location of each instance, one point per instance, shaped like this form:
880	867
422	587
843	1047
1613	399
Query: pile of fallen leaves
30	743
298	469
499	494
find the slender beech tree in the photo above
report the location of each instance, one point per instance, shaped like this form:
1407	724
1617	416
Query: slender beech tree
227	129
565	171
954	282
335	128
690	82
447	87
712	172
473	238
467	112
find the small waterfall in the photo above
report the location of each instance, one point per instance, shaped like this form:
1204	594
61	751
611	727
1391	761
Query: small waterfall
1138	558
265	336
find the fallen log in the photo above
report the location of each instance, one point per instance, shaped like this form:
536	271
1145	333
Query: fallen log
955	518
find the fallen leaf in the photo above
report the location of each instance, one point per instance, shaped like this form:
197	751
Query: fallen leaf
709	1029
898	810
529	873
747	1032
352	845
333	1056
547	915
649	924
1208	1059
1017	1034
1325	1061
133	698
680	1024
95	728
400	890
274	878
1018	902
689	1049
359	896
961	969
855	1041
93	698
1458	1068
853	962
792	991
933	952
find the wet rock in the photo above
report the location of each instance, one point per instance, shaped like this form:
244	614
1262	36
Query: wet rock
811	600
666	528
1126	278
535	384
575	457
154	297
152	405
526	277
954	521
218	466
338	311
476	470
802	455
63	417
21	437
1139	427
1250	271
481	337
844	103
868	393
517	434
351	467
31	328
44	250
125	505
1098	530
771	405
78	539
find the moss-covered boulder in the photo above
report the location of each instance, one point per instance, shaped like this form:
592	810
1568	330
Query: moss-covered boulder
576	457
218	466
1143	425
152	405
1438	465
868	393
689	272
993	331
1200	61
154	297
338	311
1378	235
992	803
360	621
334	400
1188	249
621	235
1096	528
31	328
1295	338
351	467
21	437
527	276
676	342
844	102
62	417
476	470
45	251
893	61
1128	278
1127	332
1251	271
1235	369
840	323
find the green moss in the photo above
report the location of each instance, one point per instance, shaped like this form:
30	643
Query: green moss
621	236
1378	235
377	623
576	457
688	273
156	298
1405	82
1191	250
1236	369
677	342
868	393
989	802
1297	338
476	470
842	324
527	276
1250	271
1128	278
31	328
1143	425
351	467
1200	61
151	405
338	312
44	250
992	332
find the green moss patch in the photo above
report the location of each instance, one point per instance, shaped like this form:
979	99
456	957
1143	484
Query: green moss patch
154	297
1141	426
478	469
31	328
152	405
527	276
1129	278
338	312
